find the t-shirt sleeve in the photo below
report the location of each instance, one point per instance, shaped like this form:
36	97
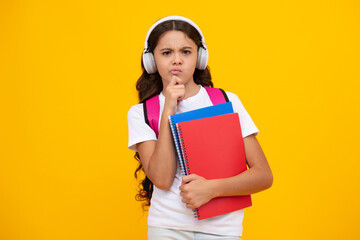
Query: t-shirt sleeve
248	127
139	130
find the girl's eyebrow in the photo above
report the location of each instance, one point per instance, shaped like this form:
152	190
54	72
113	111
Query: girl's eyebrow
169	49
165	49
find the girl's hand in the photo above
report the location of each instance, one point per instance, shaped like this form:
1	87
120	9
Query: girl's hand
174	93
196	191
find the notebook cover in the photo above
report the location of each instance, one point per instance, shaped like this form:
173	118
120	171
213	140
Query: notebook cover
210	111
213	148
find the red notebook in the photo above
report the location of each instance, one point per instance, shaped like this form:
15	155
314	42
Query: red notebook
213	148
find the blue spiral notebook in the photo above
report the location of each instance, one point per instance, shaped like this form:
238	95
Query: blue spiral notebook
211	111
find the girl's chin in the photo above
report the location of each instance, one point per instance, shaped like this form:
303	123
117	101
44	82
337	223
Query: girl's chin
167	80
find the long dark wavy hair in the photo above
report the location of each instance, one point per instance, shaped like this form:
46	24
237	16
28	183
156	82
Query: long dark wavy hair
149	85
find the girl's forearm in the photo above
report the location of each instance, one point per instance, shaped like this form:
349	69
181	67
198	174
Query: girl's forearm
162	164
248	182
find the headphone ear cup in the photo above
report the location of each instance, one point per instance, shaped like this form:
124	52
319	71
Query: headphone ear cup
202	59
149	62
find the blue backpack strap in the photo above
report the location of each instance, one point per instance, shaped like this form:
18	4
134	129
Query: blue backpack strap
152	106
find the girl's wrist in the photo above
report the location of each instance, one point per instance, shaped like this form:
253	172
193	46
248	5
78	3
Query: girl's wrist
168	110
215	188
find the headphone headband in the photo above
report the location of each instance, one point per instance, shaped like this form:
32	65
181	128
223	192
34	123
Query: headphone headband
169	18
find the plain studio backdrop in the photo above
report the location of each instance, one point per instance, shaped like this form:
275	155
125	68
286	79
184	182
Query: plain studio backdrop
67	79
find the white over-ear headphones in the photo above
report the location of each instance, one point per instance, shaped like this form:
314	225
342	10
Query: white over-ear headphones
148	57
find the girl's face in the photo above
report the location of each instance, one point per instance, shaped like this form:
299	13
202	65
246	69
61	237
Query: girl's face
176	54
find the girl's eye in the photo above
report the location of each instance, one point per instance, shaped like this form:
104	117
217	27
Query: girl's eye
165	53
186	52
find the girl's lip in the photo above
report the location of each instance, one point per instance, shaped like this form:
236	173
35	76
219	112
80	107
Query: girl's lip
175	71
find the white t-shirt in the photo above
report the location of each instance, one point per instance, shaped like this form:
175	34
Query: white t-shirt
166	208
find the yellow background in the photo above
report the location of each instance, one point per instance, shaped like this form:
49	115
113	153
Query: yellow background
68	70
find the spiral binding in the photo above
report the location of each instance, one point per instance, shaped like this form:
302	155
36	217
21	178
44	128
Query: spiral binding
197	213
186	164
183	150
177	143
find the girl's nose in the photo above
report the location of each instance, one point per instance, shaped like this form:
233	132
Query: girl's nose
177	59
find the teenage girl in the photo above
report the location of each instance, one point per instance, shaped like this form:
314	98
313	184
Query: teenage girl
175	67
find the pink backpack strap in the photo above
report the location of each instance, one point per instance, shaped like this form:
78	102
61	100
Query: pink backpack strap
152	113
217	95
